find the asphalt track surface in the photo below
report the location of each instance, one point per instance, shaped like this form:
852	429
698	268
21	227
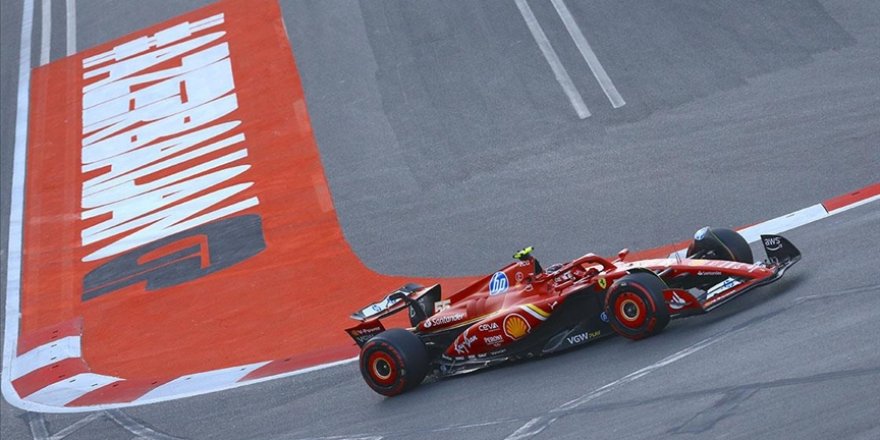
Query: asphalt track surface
448	143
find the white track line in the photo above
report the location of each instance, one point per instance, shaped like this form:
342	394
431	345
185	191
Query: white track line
752	233
16	198
46	34
71	27
538	424
13	274
76	426
533	427
139	429
589	56
38	426
553	60
69	389
69	347
853	205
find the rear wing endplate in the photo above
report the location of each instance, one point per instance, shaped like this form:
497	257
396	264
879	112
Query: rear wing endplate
421	301
391	304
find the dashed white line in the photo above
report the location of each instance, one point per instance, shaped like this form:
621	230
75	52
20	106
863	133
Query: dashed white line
71	27
46	33
589	56
16	190
553	60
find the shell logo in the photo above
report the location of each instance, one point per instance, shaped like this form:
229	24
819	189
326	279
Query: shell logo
515	326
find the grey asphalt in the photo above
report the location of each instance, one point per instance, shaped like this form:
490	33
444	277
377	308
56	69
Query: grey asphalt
448	144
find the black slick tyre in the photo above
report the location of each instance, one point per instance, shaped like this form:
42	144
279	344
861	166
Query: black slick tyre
635	306
721	244
394	361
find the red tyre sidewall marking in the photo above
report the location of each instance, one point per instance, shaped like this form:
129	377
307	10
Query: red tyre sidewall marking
630	298
372	366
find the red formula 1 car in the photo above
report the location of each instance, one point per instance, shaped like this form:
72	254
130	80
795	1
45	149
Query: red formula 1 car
525	311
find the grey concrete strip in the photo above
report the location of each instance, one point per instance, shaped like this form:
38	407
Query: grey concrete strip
553	60
589	56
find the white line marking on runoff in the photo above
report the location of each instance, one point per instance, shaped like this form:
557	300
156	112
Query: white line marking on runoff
76	426
40	431
589	56
64	392
46	34
194	383
535	425
71	27
553	60
538	424
16	200
784	223
137	428
37	423
531	428
47	354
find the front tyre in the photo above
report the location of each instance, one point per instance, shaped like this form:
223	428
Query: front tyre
394	361
720	244
635	306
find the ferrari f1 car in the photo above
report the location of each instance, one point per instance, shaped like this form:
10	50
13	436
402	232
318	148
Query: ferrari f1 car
525	311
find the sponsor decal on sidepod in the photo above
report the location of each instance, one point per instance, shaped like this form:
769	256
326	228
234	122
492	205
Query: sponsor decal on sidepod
515	326
440	320
489	327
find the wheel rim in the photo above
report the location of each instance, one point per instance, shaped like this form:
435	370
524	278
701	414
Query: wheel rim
630	310
382	368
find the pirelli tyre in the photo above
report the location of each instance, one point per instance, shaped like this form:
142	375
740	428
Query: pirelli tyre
635	305
394	361
720	244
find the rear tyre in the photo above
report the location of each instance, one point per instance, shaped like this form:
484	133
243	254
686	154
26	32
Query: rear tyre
394	361
721	244
635	306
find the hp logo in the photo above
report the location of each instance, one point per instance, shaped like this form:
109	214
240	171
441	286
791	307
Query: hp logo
498	284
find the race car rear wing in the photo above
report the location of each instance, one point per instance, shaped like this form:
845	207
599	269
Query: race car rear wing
421	301
397	300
